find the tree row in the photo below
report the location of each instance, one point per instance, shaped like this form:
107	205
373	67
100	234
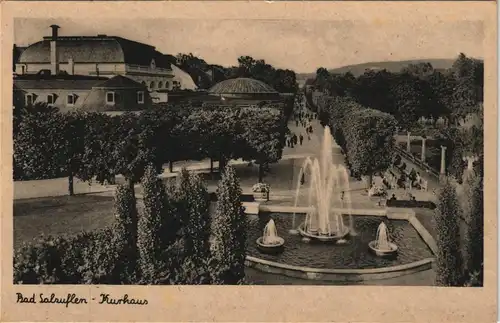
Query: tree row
96	146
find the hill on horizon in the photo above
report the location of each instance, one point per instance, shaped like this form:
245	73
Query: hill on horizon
390	66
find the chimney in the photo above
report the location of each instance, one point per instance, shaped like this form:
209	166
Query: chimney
54	59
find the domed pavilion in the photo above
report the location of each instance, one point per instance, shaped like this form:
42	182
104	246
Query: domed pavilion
244	90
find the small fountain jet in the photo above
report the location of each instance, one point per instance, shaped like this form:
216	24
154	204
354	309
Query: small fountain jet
270	242
382	246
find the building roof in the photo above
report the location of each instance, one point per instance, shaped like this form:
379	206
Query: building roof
120	82
242	85
95	49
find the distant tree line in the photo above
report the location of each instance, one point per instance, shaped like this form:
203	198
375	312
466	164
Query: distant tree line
417	91
97	146
206	75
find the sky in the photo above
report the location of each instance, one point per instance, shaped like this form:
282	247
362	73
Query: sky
300	45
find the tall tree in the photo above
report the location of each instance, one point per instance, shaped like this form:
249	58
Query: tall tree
125	233
474	224
449	260
262	136
157	230
229	230
197	231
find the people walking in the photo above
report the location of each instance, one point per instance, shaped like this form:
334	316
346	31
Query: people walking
301	139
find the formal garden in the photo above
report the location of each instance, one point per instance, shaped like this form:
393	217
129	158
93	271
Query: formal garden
152	230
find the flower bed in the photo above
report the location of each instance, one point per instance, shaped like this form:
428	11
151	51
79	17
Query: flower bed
261	191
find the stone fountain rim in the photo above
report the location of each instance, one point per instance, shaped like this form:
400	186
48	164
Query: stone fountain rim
261	244
332	274
394	248
322	237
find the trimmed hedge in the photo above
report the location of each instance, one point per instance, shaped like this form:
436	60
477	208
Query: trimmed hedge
365	135
411	204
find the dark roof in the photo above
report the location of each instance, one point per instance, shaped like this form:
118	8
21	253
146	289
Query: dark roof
120	82
74	82
62	76
242	86
55	84
98	49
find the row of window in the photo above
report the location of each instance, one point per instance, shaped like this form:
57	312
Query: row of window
152	84
71	98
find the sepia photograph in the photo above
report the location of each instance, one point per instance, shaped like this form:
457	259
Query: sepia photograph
246	152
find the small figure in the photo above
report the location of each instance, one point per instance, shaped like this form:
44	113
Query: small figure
302	179
301	139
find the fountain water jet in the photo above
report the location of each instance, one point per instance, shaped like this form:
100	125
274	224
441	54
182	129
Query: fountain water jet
382	246
270	242
328	187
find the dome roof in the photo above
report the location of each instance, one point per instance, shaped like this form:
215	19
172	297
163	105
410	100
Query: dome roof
99	49
243	86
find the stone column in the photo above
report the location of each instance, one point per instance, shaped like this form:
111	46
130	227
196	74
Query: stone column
408	142
423	149
442	172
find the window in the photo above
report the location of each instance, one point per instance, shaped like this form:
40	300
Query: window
160	84
152	85
51	98
30	99
167	85
140	97
143	83
71	99
110	98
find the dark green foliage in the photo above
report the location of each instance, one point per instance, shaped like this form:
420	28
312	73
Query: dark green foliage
366	136
125	237
473	239
229	231
157	229
197	225
87	258
417	91
262	136
38	143
449	259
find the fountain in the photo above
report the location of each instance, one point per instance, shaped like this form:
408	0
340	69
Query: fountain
382	245
328	187
270	242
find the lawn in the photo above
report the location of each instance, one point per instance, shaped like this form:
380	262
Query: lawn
61	215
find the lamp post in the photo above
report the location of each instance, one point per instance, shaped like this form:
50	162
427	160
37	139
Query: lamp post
470	161
423	148
442	172
408	142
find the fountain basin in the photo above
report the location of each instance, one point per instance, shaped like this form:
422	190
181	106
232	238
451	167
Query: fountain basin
323	237
393	249
270	248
